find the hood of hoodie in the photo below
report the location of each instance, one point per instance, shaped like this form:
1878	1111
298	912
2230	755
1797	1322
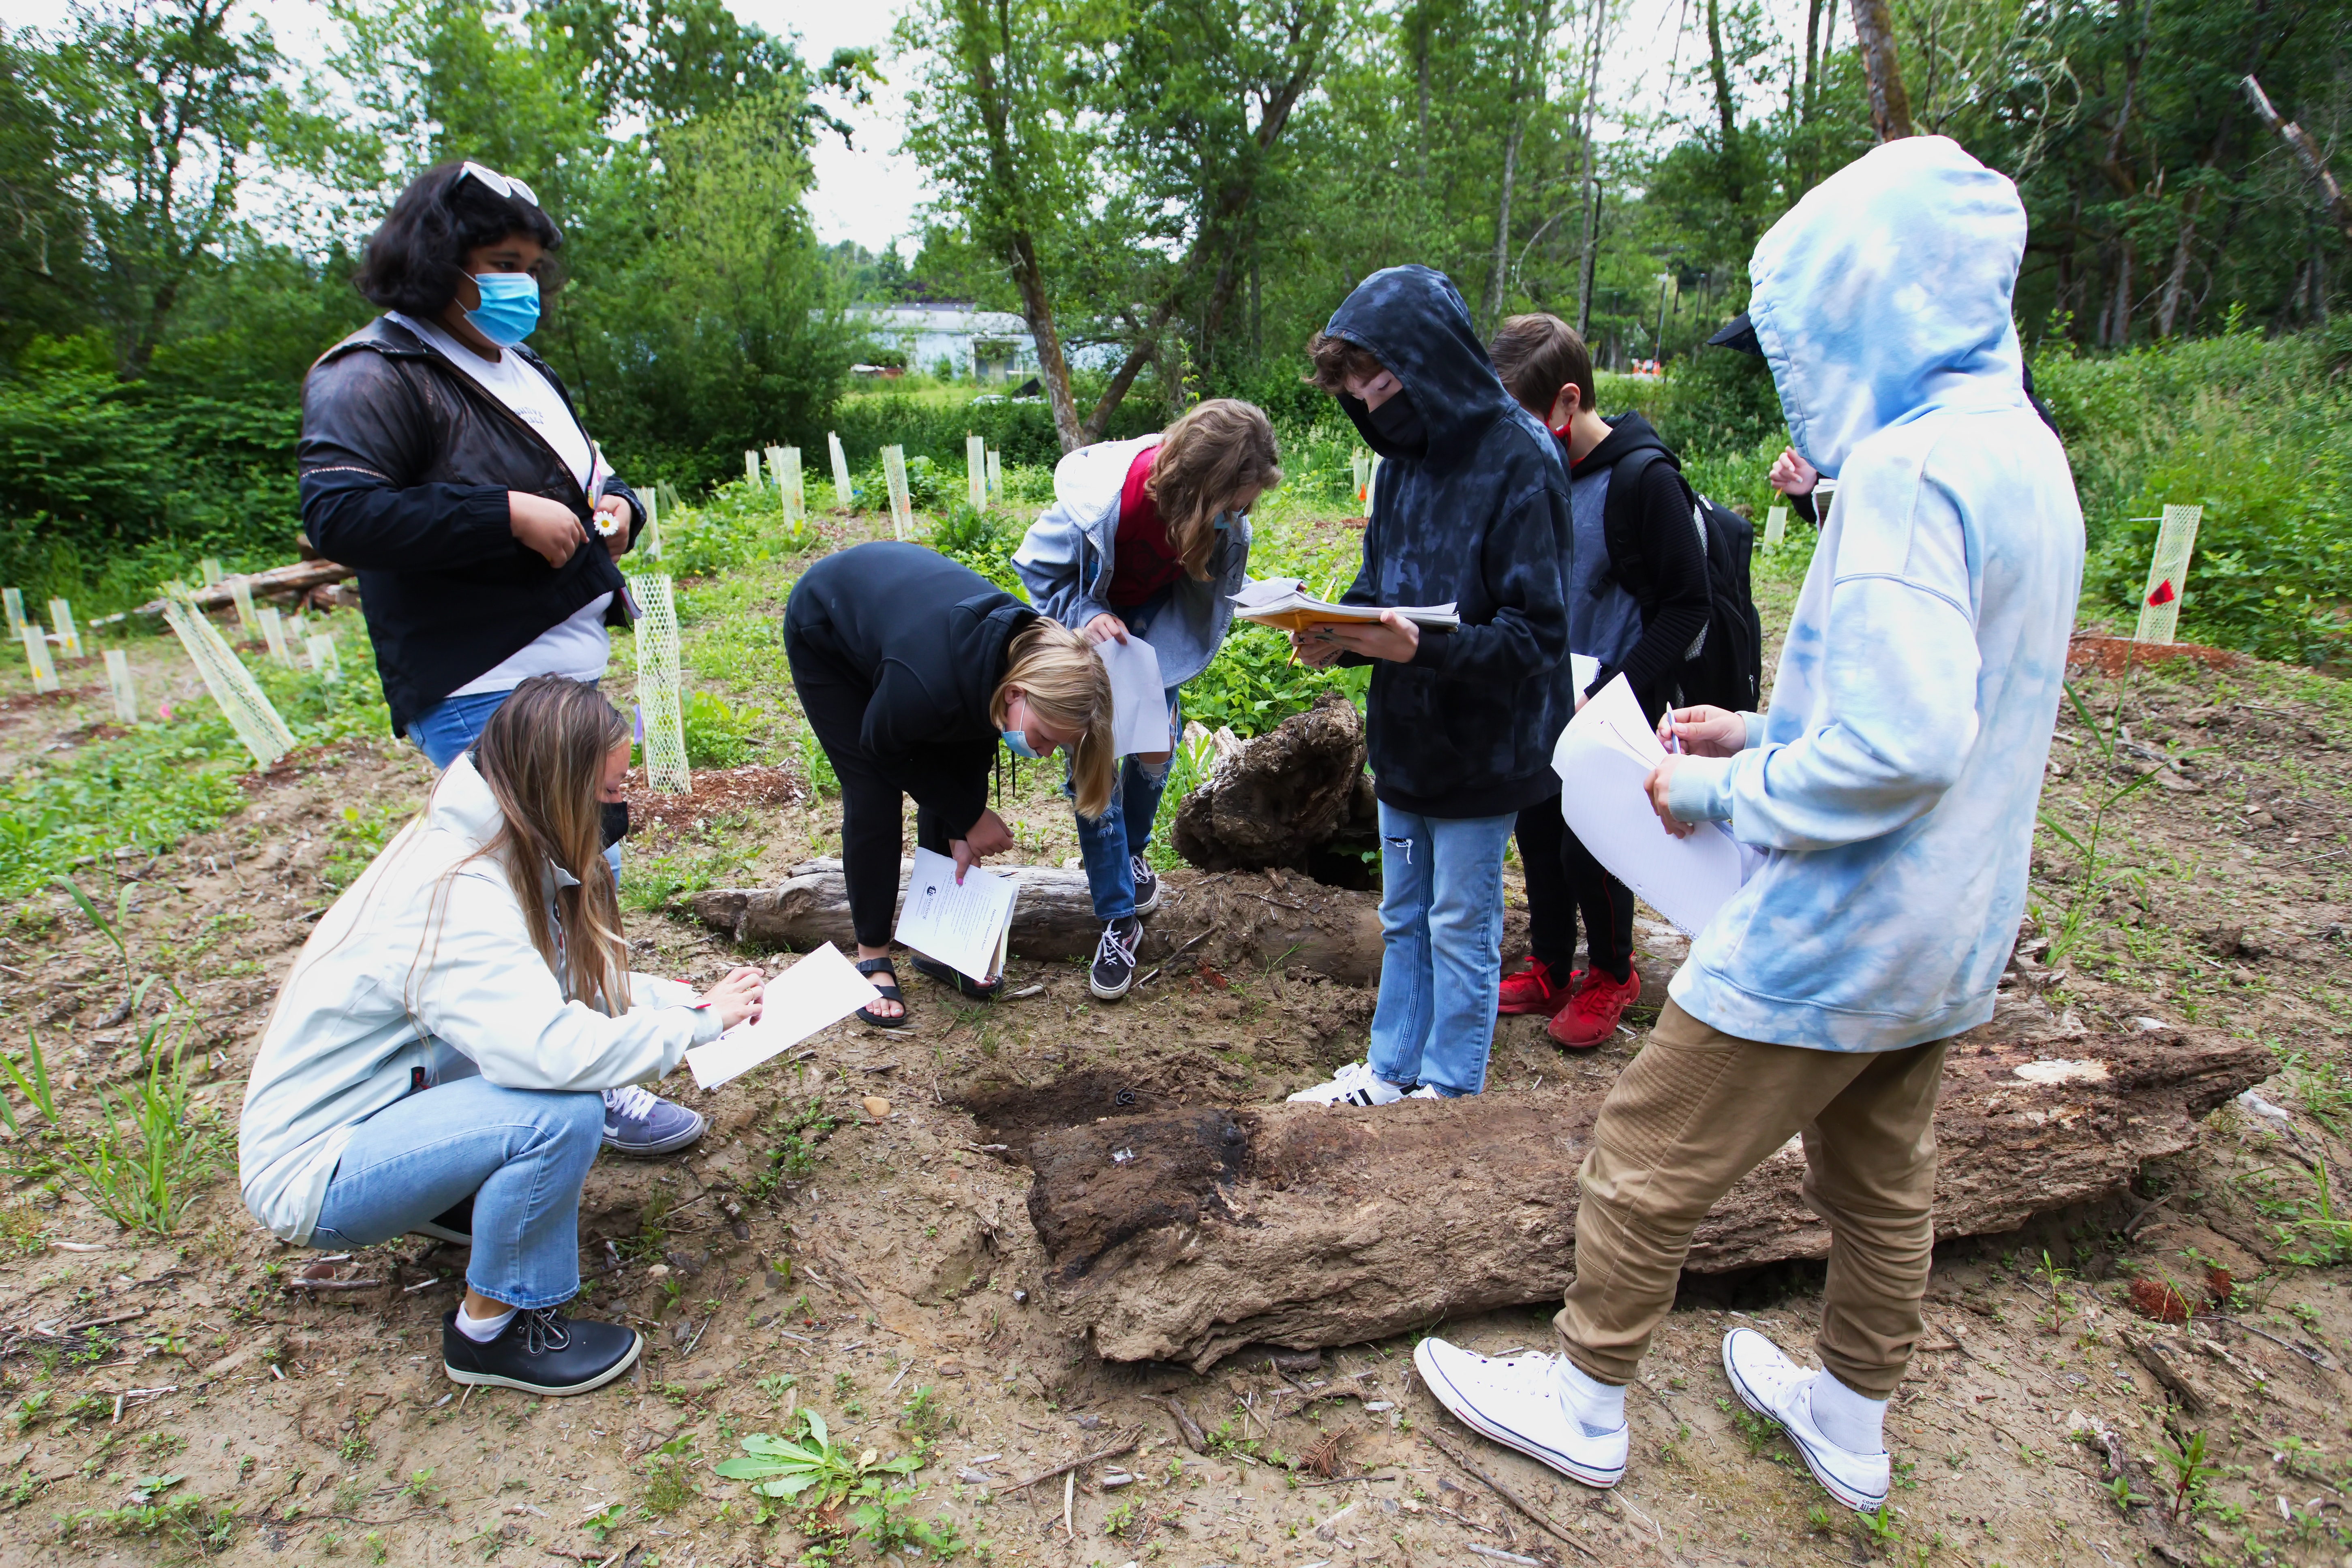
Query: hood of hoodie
1628	434
1413	320
1884	293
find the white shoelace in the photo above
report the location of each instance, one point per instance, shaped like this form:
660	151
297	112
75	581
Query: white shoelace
632	1100
1112	943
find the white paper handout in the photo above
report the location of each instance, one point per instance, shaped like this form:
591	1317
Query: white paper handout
1139	703
820	989
1603	759
966	927
1584	669
1283	602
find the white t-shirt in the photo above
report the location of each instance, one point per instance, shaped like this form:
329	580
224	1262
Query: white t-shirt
578	646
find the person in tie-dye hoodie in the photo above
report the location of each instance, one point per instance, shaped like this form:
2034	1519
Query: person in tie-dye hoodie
1891	792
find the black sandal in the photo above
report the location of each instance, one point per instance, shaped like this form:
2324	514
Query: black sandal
964	984
889	993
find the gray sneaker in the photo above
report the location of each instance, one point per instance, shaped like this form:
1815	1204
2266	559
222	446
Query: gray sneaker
639	1121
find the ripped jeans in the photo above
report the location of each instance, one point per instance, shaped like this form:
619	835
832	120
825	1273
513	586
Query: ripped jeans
1105	842
1441	948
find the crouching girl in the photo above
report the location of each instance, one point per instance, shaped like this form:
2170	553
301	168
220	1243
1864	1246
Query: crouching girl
436	1059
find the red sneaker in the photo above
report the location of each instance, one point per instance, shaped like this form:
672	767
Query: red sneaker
1592	1013
1535	990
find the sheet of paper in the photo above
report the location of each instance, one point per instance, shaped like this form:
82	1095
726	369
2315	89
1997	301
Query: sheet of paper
963	927
823	988
1602	769
1584	668
1139	703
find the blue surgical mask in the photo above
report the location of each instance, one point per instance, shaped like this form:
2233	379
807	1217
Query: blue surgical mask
509	309
1018	744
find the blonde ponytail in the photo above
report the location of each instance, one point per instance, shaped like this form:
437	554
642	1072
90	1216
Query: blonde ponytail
1066	685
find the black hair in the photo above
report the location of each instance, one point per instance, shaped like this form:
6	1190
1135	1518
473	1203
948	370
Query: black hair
414	259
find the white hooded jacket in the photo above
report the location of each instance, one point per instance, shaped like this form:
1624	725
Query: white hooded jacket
1893	786
403	978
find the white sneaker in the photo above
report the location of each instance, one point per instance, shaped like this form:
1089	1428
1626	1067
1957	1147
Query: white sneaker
1355	1084
1427	1091
1777	1388
1518	1404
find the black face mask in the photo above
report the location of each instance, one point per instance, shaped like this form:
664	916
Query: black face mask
1398	422
614	815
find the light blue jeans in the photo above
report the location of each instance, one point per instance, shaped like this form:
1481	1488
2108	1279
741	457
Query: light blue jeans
1441	948
521	1154
1125	828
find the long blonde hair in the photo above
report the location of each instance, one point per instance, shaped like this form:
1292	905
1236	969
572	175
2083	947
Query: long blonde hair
543	756
1068	687
1217	452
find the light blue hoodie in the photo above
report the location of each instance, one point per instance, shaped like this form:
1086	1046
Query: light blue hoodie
1893	786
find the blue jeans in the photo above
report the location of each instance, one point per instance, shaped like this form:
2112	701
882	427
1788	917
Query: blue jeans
1441	948
445	731
1105	842
520	1154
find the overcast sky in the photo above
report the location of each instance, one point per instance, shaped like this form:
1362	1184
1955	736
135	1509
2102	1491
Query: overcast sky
871	194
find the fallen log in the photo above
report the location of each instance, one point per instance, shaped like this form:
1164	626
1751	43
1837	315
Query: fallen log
1184	1234
1277	798
1245	920
293	581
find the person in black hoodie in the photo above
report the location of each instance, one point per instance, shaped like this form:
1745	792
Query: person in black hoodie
1637	601
912	668
1472	507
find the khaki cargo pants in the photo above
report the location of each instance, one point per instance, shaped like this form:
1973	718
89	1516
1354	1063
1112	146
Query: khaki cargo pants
1699	1109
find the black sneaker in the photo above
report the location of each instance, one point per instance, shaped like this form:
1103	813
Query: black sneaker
1114	967
1147	885
453	1224
541	1351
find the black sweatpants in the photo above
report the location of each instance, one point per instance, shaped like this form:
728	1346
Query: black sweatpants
1563	881
872	807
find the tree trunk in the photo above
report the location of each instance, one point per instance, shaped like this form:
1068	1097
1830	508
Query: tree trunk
1185	1233
1726	109
1522	64
2307	153
1589	202
1053	368
1890	106
1240	920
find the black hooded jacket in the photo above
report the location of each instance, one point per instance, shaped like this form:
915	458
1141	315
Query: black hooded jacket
1478	516
925	638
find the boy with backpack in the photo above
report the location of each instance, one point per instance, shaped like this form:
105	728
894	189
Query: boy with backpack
1643	603
1472	507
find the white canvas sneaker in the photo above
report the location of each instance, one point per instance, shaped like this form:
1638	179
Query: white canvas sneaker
1777	1388
1355	1084
1518	1402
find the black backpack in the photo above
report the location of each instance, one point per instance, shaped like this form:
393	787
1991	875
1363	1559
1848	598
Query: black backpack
1725	664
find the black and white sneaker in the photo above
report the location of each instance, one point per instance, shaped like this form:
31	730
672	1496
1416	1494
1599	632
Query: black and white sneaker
1114	966
1147	885
453	1224
541	1351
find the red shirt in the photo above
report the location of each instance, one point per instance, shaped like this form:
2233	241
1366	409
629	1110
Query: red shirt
1143	562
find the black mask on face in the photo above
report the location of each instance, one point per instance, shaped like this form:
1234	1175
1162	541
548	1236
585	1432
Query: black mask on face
1398	422
615	820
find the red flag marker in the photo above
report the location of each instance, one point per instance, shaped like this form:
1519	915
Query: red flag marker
2162	594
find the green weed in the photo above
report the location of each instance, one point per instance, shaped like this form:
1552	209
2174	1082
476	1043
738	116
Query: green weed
137	1168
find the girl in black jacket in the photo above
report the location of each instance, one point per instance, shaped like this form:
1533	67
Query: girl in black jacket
912	669
445	462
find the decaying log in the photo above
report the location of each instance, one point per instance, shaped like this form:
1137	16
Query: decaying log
292	581
1251	919
1275	799
1183	1234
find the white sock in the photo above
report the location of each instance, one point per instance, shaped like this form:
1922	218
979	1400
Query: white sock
1855	1422
1598	1408
482	1331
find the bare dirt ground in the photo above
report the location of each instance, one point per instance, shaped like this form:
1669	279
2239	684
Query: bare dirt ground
845	1240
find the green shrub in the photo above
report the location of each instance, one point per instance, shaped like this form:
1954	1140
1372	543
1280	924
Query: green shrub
719	736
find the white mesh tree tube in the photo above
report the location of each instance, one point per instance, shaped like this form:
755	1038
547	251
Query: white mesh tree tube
1776	527
273	632
795	491
660	693
37	654
241	591
119	683
210	567
750	467
248	710
902	506
975	471
61	622
13	599
844	494
2167	574
996	473
649	544
324	662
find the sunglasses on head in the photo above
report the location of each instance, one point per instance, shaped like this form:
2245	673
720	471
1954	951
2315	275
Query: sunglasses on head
503	184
